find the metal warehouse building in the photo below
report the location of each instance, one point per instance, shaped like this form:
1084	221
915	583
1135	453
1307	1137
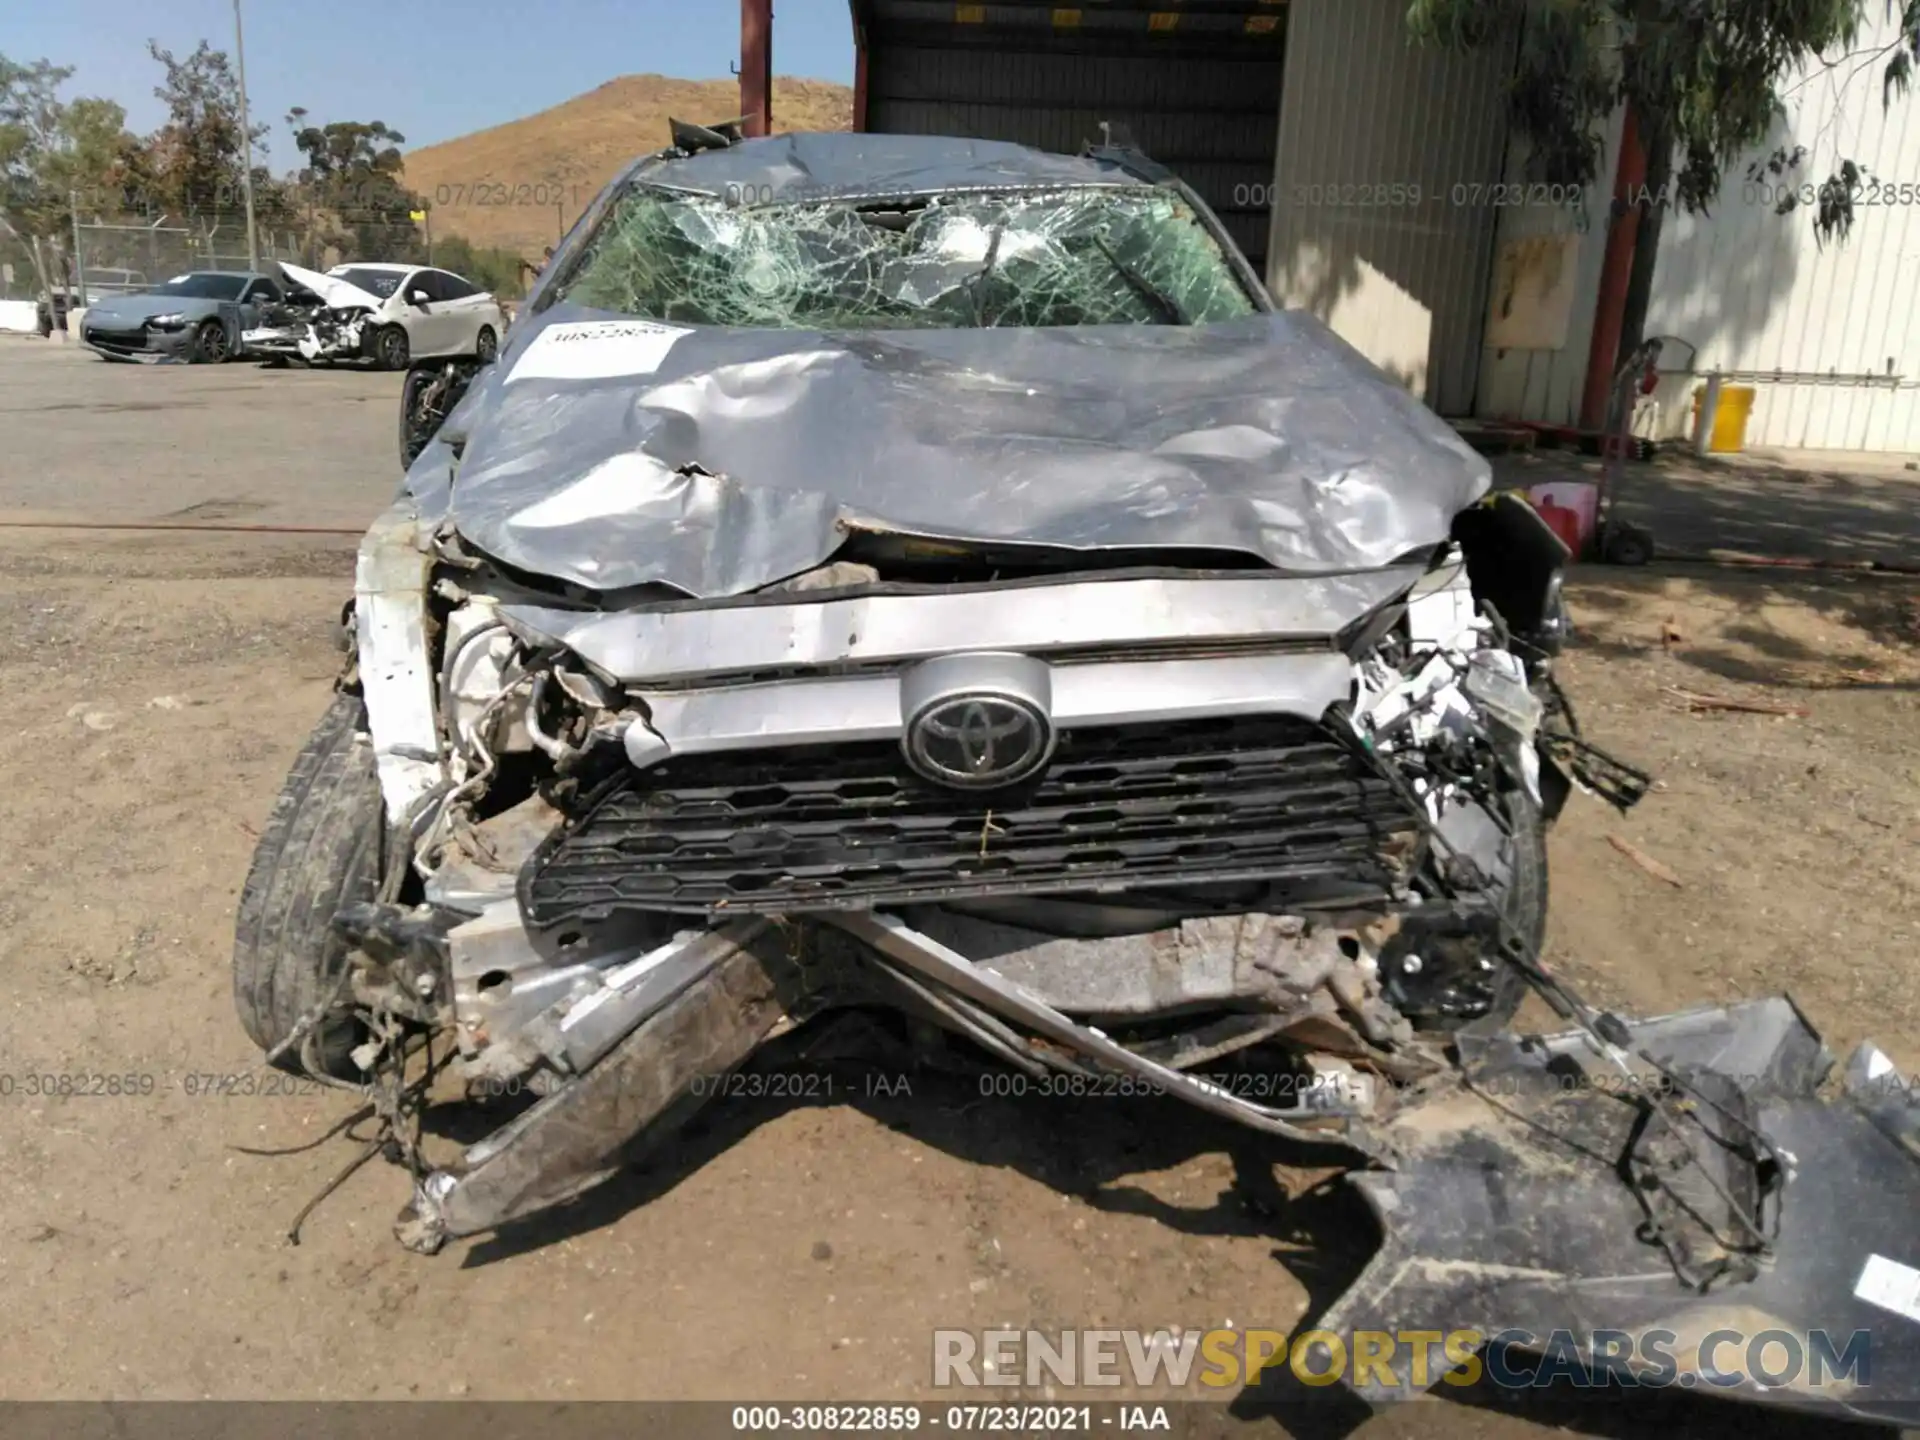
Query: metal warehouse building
1369	178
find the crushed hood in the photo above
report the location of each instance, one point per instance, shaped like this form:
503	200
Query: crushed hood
332	290
615	452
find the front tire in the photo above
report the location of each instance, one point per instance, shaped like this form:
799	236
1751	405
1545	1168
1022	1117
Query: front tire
486	345
319	850
209	344
390	348
415	428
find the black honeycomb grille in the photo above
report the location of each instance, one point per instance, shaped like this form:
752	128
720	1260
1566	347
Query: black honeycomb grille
852	827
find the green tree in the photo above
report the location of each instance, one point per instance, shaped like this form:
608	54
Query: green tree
196	159
352	190
488	267
56	154
1704	79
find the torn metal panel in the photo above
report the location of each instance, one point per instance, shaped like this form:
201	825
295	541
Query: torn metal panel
984	986
1076	618
1274	961
396	670
573	1138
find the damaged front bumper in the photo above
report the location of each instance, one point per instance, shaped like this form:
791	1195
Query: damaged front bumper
314	336
1532	1192
696	873
647	1038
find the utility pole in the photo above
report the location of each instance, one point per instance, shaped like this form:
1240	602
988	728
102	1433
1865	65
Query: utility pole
79	254
246	140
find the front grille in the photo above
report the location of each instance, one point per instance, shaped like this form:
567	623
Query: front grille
1268	798
117	339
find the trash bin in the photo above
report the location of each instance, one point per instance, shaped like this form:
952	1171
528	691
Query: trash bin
1729	435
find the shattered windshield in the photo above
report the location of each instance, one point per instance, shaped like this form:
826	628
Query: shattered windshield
1090	256
203	286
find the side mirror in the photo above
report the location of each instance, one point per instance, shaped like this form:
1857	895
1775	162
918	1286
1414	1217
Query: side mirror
417	297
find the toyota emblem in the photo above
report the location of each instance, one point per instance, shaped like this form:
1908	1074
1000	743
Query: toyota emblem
978	741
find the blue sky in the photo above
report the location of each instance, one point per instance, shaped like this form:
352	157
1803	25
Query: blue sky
432	69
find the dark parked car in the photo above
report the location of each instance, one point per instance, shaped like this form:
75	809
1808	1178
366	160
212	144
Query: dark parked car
199	316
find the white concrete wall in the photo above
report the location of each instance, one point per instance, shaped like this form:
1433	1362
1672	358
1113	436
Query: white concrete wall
1749	289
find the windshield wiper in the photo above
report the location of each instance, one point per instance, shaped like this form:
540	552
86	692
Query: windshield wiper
1161	301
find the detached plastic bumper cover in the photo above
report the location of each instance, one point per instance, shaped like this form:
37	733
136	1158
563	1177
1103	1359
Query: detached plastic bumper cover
1511	1214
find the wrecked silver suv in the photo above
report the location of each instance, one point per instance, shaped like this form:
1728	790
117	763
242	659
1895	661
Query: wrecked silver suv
931	577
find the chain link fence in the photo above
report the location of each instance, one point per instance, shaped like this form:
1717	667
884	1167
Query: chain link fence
116	258
112	254
17	276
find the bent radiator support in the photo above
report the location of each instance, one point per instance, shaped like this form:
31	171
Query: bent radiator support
734	989
933	961
573	1138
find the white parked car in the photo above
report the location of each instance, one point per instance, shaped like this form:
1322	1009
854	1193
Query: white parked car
392	314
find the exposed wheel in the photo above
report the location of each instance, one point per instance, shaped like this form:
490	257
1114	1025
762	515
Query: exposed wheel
417	426
319	850
209	344
486	345
1628	545
390	349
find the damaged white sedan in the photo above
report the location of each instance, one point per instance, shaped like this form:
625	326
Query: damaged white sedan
932	577
392	314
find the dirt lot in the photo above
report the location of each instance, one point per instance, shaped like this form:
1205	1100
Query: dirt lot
158	684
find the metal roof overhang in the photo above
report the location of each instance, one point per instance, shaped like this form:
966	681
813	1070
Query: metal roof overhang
1121	25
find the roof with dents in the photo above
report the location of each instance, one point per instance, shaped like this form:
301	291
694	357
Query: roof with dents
851	166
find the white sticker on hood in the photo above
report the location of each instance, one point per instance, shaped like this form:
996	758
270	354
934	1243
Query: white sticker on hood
1890	1285
596	350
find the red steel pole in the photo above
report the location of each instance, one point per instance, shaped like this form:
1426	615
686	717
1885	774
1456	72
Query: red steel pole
859	82
756	65
1616	272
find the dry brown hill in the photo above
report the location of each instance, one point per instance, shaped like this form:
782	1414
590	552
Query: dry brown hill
520	184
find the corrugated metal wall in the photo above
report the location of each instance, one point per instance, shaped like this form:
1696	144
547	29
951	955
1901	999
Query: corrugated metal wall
1544	384
1754	291
1206	111
1363	111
